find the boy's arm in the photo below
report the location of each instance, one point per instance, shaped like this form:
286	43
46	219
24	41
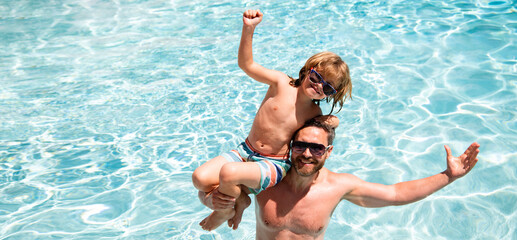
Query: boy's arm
378	195
251	18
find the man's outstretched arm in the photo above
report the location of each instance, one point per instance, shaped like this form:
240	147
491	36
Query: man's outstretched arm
378	195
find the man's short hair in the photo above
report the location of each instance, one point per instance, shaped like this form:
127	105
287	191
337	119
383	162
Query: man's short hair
331	133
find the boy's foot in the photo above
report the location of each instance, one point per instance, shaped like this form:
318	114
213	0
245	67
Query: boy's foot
216	218
241	203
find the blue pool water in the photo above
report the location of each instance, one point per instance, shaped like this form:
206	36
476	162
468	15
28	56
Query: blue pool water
107	107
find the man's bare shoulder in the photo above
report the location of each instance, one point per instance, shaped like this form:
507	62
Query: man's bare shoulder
337	176
339	184
341	179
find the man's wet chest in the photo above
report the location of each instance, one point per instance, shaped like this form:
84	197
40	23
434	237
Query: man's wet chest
309	215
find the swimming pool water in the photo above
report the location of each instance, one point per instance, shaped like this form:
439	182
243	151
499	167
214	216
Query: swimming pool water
107	107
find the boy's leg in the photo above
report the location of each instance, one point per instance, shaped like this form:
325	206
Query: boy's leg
242	202
206	176
231	176
234	174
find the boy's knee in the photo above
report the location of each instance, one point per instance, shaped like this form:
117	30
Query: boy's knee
228	174
200	179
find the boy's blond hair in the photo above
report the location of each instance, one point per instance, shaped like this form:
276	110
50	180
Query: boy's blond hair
330	66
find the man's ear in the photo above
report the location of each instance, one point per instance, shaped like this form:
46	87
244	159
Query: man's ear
330	150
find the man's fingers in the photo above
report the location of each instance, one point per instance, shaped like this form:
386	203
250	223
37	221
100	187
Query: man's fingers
218	207
474	163
221	201
448	150
473	159
471	156
223	197
224	203
472	152
472	149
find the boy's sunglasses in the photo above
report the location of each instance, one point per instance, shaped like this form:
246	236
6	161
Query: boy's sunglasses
316	149
327	88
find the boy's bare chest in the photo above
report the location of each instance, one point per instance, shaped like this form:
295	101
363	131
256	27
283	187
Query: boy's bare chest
284	108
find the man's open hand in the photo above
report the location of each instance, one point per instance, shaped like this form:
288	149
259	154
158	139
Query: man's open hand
459	166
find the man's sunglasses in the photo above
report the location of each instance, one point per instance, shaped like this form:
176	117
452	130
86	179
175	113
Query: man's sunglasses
327	88
316	149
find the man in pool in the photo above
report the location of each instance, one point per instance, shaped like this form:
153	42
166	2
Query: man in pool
300	206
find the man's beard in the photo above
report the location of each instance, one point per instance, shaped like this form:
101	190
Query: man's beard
308	169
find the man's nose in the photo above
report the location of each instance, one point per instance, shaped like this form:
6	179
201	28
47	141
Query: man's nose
307	153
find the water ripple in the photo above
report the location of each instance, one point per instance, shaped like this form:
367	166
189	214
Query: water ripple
107	107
